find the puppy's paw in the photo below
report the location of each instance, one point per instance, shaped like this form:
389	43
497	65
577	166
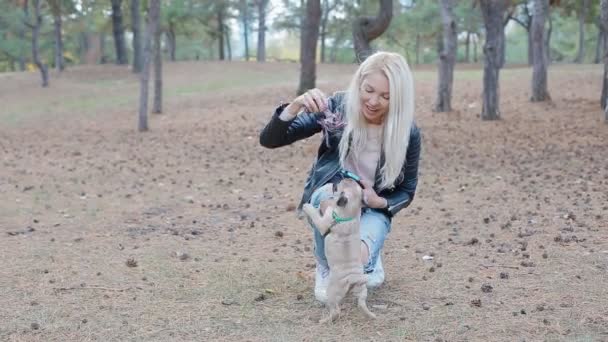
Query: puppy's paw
309	210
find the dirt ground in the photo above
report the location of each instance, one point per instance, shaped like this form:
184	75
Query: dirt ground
188	232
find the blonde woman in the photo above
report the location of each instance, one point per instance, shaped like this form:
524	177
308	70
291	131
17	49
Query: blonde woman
369	134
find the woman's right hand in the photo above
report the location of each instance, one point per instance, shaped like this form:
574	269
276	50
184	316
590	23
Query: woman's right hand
312	100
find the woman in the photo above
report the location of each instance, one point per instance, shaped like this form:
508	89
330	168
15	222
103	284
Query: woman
369	134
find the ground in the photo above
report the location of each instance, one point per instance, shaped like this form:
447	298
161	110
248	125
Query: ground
189	231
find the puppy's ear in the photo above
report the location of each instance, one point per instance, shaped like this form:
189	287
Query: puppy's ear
342	200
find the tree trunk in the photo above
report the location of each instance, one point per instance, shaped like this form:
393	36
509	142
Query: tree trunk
59	63
228	45
493	13
102	48
136	27
539	55
261	56
475	48
582	18
447	58
604	25
157	107
366	29
467	58
599	46
417	48
530	60
245	18
309	48
324	19
171	40
302	28
548	36
220	31
119	32
153	14
21	34
334	48
35	54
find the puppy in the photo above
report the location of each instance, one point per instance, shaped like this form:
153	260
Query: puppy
340	222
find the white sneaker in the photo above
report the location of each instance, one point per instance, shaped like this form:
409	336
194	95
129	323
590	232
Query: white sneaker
376	277
321	283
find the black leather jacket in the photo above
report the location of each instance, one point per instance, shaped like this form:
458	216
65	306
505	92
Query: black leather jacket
279	133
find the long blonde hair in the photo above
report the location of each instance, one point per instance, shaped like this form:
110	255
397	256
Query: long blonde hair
397	122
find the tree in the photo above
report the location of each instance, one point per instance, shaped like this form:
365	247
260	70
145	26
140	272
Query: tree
55	6
582	18
604	24
136	28
35	49
244	15
447	57
539	55
366	29
521	15
157	106
119	32
328	7
153	21
309	46
493	12
261	55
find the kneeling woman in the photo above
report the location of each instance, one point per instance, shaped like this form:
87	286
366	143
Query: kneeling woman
370	135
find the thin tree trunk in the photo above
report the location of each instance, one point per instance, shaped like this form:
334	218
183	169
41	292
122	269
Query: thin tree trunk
171	40
493	13
447	58
530	60
261	55
59	63
308	69
599	46
467	58
21	34
145	71
119	33
475	48
136	28
417	48
324	18
366	29
228	45
582	18
35	54
102	48
157	107
539	66
548	37
334	48
220	31
245	18
604	25
302	28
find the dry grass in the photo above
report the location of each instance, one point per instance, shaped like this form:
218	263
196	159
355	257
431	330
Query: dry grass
81	193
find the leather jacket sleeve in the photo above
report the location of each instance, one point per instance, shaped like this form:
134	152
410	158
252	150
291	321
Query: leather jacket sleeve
279	133
403	193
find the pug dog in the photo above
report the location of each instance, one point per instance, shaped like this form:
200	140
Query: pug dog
339	224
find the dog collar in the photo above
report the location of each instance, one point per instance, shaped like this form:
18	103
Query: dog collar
337	219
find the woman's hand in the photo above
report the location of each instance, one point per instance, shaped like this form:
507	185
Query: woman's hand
312	100
371	198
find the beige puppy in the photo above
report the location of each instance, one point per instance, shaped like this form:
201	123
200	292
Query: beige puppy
339	222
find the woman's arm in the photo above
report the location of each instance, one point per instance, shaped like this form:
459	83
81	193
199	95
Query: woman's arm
279	133
290	124
403	194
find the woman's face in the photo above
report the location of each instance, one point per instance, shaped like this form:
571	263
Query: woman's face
375	96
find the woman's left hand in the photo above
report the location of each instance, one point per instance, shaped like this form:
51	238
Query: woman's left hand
371	198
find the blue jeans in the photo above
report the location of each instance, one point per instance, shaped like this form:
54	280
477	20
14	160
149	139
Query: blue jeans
375	227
